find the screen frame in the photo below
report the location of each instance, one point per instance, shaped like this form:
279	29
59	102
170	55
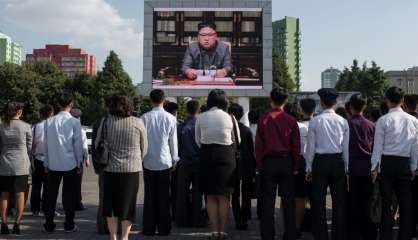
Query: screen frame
194	5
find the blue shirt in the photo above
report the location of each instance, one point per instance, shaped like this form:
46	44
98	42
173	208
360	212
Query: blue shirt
64	144
162	139
189	151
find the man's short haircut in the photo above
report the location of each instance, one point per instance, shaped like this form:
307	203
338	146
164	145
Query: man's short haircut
217	98
171	107
329	102
253	116
411	102
292	110
203	108
157	96
328	96
65	100
395	95
307	105
120	105
347	108
46	111
384	109
236	110
342	112
206	24
193	107
357	102
279	96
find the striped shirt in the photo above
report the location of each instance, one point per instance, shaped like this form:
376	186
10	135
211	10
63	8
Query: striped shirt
128	144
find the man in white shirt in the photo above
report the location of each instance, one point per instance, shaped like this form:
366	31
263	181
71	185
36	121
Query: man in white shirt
160	160
395	157
327	165
63	159
38	171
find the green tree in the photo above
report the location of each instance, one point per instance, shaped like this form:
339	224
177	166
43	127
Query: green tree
82	88
18	85
281	76
371	82
110	80
50	81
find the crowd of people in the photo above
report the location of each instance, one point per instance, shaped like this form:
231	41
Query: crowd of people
195	170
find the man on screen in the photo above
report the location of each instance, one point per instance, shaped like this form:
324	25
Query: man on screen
207	54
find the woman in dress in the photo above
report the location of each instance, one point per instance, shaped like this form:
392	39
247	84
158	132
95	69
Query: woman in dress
15	148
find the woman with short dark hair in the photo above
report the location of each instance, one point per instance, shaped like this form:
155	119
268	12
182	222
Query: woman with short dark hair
15	148
217	134
127	145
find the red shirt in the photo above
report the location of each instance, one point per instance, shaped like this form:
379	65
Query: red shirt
277	134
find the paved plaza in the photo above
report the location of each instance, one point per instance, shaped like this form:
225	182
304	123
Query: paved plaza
86	221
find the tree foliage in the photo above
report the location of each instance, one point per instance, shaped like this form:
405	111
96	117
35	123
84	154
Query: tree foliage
371	82
43	82
281	78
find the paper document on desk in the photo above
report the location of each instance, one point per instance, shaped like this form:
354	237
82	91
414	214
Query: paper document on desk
211	79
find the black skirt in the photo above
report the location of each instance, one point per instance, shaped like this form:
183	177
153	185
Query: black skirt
14	184
217	170
120	193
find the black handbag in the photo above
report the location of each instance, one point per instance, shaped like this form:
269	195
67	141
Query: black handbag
101	153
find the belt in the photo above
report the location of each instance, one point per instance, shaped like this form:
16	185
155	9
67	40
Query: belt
392	157
329	155
278	155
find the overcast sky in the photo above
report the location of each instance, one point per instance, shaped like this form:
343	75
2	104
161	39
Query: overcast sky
333	32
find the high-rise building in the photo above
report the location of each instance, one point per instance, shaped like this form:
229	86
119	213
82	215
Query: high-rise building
10	52
70	60
405	79
286	40
330	77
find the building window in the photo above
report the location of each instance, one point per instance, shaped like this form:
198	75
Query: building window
399	82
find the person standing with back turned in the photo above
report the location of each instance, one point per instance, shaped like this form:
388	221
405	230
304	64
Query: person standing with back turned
327	165
63	159
277	155
160	160
395	157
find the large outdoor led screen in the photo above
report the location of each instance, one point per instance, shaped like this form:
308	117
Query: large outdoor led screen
204	48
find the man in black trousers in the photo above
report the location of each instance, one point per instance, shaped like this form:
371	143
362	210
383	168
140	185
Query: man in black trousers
360	181
277	155
39	177
63	159
244	184
395	157
327	165
159	163
189	212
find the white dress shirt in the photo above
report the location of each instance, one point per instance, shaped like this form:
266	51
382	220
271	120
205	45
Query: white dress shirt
396	134
162	139
303	131
64	144
38	145
215	127
328	133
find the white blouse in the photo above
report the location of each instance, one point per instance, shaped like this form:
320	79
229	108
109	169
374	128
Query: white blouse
215	127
